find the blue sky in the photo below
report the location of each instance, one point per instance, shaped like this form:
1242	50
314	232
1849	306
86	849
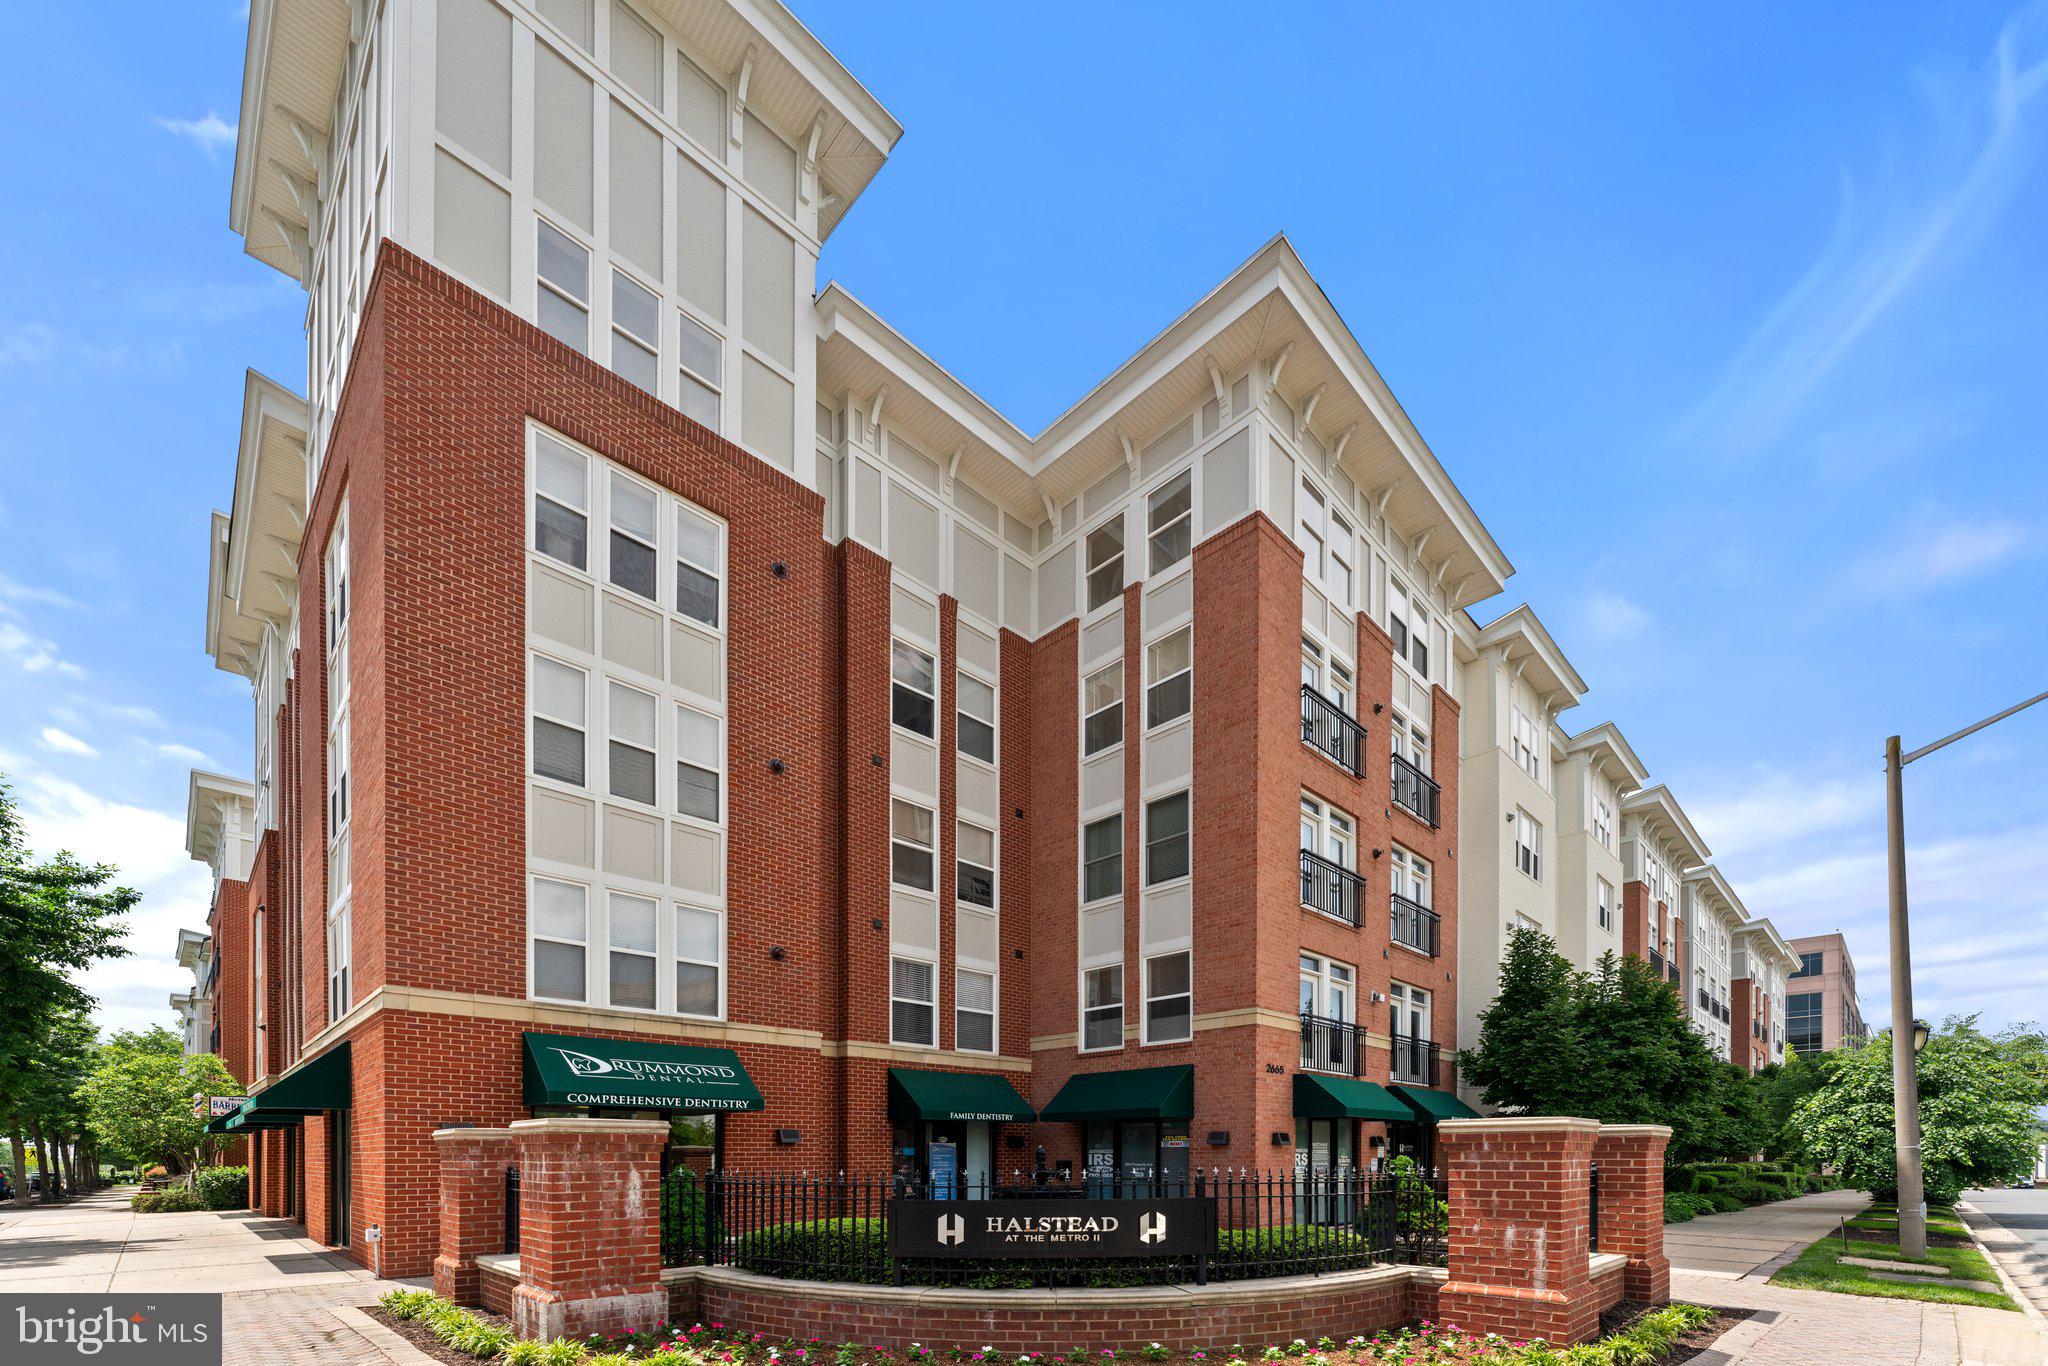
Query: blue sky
1730	321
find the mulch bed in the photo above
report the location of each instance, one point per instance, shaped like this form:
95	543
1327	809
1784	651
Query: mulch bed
422	1337
1691	1345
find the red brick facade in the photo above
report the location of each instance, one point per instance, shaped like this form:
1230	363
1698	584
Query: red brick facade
428	449
1749	1025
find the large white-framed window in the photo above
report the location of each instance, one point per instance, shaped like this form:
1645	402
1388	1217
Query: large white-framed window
1327	673
1526	742
1169	998
976	701
1170	683
1409	1011
1102	1007
1603	822
1410	738
974	864
1102	709
629	753
1167	839
648	737
1338	577
1409	874
340	875
558	925
561	721
910	845
700	358
913	1003
1408	624
974	1010
1311	529
1603	902
913	690
1104	549
1170	521
636	331
1528	844
1329	989
1102	858
1328	833
562	301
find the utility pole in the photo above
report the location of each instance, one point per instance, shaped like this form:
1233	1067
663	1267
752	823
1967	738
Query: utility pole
1905	1070
1905	1061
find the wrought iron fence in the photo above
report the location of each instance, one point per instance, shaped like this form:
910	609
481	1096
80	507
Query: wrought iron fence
1325	725
1330	887
1416	790
836	1228
1414	924
512	1210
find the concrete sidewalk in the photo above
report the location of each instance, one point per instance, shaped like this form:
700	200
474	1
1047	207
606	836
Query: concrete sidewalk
1759	1240
279	1290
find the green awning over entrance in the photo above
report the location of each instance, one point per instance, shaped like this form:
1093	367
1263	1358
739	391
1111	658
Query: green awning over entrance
1430	1106
1140	1093
325	1083
635	1074
1317	1097
955	1096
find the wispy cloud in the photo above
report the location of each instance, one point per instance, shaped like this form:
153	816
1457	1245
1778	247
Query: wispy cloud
64	742
33	654
185	754
210	133
1610	618
1935	550
14	590
27	344
1877	252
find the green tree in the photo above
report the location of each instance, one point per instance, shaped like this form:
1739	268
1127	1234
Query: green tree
139	1097
57	917
1613	1044
1978	1095
1781	1087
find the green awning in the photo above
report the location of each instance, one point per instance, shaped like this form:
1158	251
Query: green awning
1430	1106
955	1096
1140	1093
218	1126
325	1083
1317	1097
635	1074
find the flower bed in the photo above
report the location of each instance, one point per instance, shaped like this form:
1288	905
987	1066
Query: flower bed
1643	1337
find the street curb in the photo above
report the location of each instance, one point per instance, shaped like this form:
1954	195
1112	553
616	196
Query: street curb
1976	1221
393	1347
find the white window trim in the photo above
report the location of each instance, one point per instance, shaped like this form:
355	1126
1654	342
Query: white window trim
994	723
931	1004
1528	845
930	657
1145	1013
1145	881
1123	873
1153	684
994	1012
1123	720
1122	1007
1121	559
930	850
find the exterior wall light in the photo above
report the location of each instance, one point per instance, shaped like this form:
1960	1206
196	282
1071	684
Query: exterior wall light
788	1138
1919	1035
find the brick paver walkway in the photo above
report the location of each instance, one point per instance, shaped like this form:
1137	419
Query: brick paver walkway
279	1289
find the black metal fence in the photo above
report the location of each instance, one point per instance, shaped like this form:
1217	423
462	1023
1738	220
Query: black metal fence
1414	924
836	1228
1330	887
512	1210
1417	791
1414	1060
1593	1208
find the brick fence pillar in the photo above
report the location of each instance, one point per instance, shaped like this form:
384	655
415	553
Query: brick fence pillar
473	1164
1631	1158
1518	1238
589	1227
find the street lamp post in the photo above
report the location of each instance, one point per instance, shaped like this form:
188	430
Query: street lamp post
1905	1060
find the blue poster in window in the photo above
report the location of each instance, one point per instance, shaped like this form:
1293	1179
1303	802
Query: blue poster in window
945	1163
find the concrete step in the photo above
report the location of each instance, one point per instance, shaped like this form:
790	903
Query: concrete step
1874	1264
1989	1287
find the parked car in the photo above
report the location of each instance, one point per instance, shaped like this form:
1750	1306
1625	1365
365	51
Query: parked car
2025	1183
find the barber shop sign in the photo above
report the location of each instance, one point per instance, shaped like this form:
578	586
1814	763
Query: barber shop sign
997	1229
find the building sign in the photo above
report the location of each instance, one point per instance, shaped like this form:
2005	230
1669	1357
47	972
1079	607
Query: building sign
215	1107
998	1229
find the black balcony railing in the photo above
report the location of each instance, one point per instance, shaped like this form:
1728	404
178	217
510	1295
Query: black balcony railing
1671	970
1416	1061
1656	963
1417	791
1331	888
1706	1001
1414	924
1325	725
1332	1046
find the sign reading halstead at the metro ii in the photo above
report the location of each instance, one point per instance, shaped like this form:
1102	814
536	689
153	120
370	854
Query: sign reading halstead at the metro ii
997	1229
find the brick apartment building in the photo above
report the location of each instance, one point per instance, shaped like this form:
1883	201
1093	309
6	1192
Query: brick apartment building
675	693
1822	1009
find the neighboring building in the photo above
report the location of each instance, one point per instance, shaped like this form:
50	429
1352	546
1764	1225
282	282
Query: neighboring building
1763	960
1822	1012
220	832
1596	771
194	1007
1713	915
1658	845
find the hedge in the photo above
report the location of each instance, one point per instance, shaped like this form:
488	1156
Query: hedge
169	1200
1679	1208
222	1187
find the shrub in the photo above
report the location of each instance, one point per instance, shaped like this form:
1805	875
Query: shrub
1724	1203
1705	1183
170	1200
1679	1208
682	1211
408	1304
223	1187
465	1332
560	1352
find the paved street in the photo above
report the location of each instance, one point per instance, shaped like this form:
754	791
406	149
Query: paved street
2013	1226
279	1289
1759	1240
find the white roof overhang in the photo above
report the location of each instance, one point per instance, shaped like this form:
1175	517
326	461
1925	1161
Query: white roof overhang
1611	755
1666	824
254	564
1760	934
1531	650
1718	894
208	799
